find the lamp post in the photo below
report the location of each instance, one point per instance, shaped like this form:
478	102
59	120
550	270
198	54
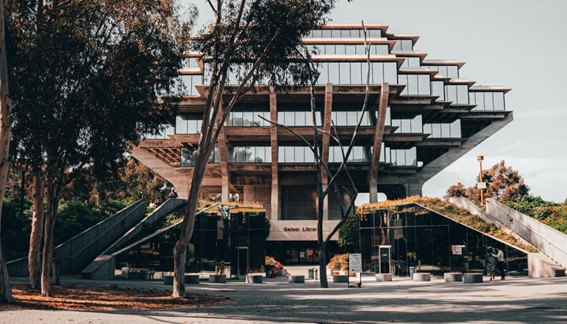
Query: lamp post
224	210
480	185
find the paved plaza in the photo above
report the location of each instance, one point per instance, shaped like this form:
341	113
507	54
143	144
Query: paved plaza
514	300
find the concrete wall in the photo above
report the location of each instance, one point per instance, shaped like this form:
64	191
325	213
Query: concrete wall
74	254
546	239
102	267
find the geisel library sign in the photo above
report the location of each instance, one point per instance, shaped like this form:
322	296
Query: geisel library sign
299	230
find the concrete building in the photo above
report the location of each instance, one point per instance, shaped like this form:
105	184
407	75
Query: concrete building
431	117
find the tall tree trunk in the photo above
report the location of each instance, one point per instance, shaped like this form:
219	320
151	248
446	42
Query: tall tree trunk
180	250
36	232
5	105
322	244
47	256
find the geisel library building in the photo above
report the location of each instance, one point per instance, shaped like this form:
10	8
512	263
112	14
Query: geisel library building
433	116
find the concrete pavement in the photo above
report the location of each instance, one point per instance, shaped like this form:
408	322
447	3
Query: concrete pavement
514	300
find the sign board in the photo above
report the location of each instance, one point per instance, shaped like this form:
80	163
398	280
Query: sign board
355	262
481	185
457	249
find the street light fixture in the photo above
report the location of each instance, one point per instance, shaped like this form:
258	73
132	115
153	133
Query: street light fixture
481	185
224	210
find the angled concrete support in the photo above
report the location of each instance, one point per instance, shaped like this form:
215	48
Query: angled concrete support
377	142
275	195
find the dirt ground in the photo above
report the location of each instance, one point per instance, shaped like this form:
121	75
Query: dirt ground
102	298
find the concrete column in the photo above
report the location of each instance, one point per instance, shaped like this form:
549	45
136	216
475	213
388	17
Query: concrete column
326	143
275	196
377	143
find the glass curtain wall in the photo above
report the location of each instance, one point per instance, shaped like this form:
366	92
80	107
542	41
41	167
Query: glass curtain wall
250	154
424	241
356	72
344	33
249	116
189	156
487	100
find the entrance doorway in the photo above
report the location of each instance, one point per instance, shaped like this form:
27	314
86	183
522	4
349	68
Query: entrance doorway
385	255
242	260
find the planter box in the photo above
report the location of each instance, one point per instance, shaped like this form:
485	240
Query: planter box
296	279
472	277
254	279
453	277
192	279
422	276
381	277
340	278
217	278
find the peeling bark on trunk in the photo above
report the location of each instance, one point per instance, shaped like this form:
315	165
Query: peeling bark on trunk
47	255
5	105
36	232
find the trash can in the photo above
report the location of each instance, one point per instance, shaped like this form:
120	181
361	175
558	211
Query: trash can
411	270
311	273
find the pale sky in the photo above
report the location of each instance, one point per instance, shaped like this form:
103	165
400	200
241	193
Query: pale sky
519	44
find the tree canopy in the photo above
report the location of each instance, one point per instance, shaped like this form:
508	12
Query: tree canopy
502	182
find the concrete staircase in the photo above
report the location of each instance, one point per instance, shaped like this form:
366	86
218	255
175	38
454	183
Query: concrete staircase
552	244
102	267
74	254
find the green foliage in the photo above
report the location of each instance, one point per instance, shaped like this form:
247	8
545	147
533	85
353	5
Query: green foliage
549	213
16	227
349	234
502	181
75	216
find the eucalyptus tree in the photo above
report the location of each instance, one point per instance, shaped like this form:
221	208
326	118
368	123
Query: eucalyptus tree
251	41
89	78
5	129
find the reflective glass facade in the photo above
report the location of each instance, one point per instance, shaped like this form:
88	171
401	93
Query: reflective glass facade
347	49
249	116
344	33
448	71
250	154
487	100
356	72
422	241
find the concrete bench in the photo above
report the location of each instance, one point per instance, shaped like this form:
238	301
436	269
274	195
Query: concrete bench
296	279
453	276
559	272
217	278
340	278
254	278
168	280
381	277
422	276
472	278
192	279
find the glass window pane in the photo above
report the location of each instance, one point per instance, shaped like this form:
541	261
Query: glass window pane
488	103
479	100
289	118
390	72
345	73
334	73
289	154
463	94
412	84
180	125
499	101
453	71
268	154
356	73
299	154
424	85
377	73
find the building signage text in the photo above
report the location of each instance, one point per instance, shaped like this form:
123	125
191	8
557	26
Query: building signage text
300	229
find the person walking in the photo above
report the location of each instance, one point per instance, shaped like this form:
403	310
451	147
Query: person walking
490	262
500	259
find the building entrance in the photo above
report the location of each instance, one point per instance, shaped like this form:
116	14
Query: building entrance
385	255
242	260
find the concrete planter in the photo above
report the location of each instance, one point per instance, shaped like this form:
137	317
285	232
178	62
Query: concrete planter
421	276
217	278
192	279
340	278
453	277
254	279
168	280
381	277
472	277
296	279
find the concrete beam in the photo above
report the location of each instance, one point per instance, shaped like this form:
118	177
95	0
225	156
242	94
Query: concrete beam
275	194
377	143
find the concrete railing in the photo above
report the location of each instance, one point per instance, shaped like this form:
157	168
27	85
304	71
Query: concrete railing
102	267
550	241
78	251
